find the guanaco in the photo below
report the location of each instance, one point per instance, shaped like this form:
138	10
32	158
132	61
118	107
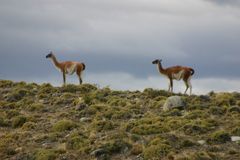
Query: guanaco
67	67
177	73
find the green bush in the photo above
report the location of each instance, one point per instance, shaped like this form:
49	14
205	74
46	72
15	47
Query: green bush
116	146
137	149
78	142
174	112
29	126
200	156
217	110
3	123
102	125
147	126
45	90
219	137
234	109
12	113
117	102
63	125
18	121
196	114
156	151
187	143
35	107
224	99
151	93
194	129
45	154
6	83
236	131
17	94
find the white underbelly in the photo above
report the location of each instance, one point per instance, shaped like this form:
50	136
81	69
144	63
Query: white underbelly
178	76
71	70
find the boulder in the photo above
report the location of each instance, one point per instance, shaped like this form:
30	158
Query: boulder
173	102
235	138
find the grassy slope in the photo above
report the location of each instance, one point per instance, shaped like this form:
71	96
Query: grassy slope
44	122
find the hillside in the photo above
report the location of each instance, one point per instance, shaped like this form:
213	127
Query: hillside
85	122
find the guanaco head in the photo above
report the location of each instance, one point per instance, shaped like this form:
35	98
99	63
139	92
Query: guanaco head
156	61
50	55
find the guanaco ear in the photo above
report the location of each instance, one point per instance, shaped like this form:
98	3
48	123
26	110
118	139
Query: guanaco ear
155	61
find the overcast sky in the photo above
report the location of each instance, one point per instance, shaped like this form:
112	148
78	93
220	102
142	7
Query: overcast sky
117	40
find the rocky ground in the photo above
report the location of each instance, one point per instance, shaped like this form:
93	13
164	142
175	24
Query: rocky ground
85	122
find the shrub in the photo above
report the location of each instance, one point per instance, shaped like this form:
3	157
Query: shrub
194	106
71	88
196	114
224	99
17	94
103	125
200	156
116	146
117	102
187	143
29	126
63	125
88	99
3	123
123	114
12	113
137	149
194	129
45	90
45	154
6	83
77	142
86	88
234	109
156	151
36	107
135	137
236	131
217	110
151	93
18	121
174	112
7	105
147	126
175	124
149	129
219	137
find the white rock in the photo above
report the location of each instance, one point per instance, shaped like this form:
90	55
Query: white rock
47	145
85	119
202	142
19	149
235	138
41	101
173	102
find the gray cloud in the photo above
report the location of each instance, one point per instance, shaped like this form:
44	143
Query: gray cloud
122	36
235	3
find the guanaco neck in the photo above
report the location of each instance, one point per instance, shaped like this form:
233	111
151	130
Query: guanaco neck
55	61
160	68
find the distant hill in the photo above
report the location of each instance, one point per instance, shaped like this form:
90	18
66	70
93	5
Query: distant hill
41	122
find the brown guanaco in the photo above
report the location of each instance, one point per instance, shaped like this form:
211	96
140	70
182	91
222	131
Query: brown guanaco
67	67
177	73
